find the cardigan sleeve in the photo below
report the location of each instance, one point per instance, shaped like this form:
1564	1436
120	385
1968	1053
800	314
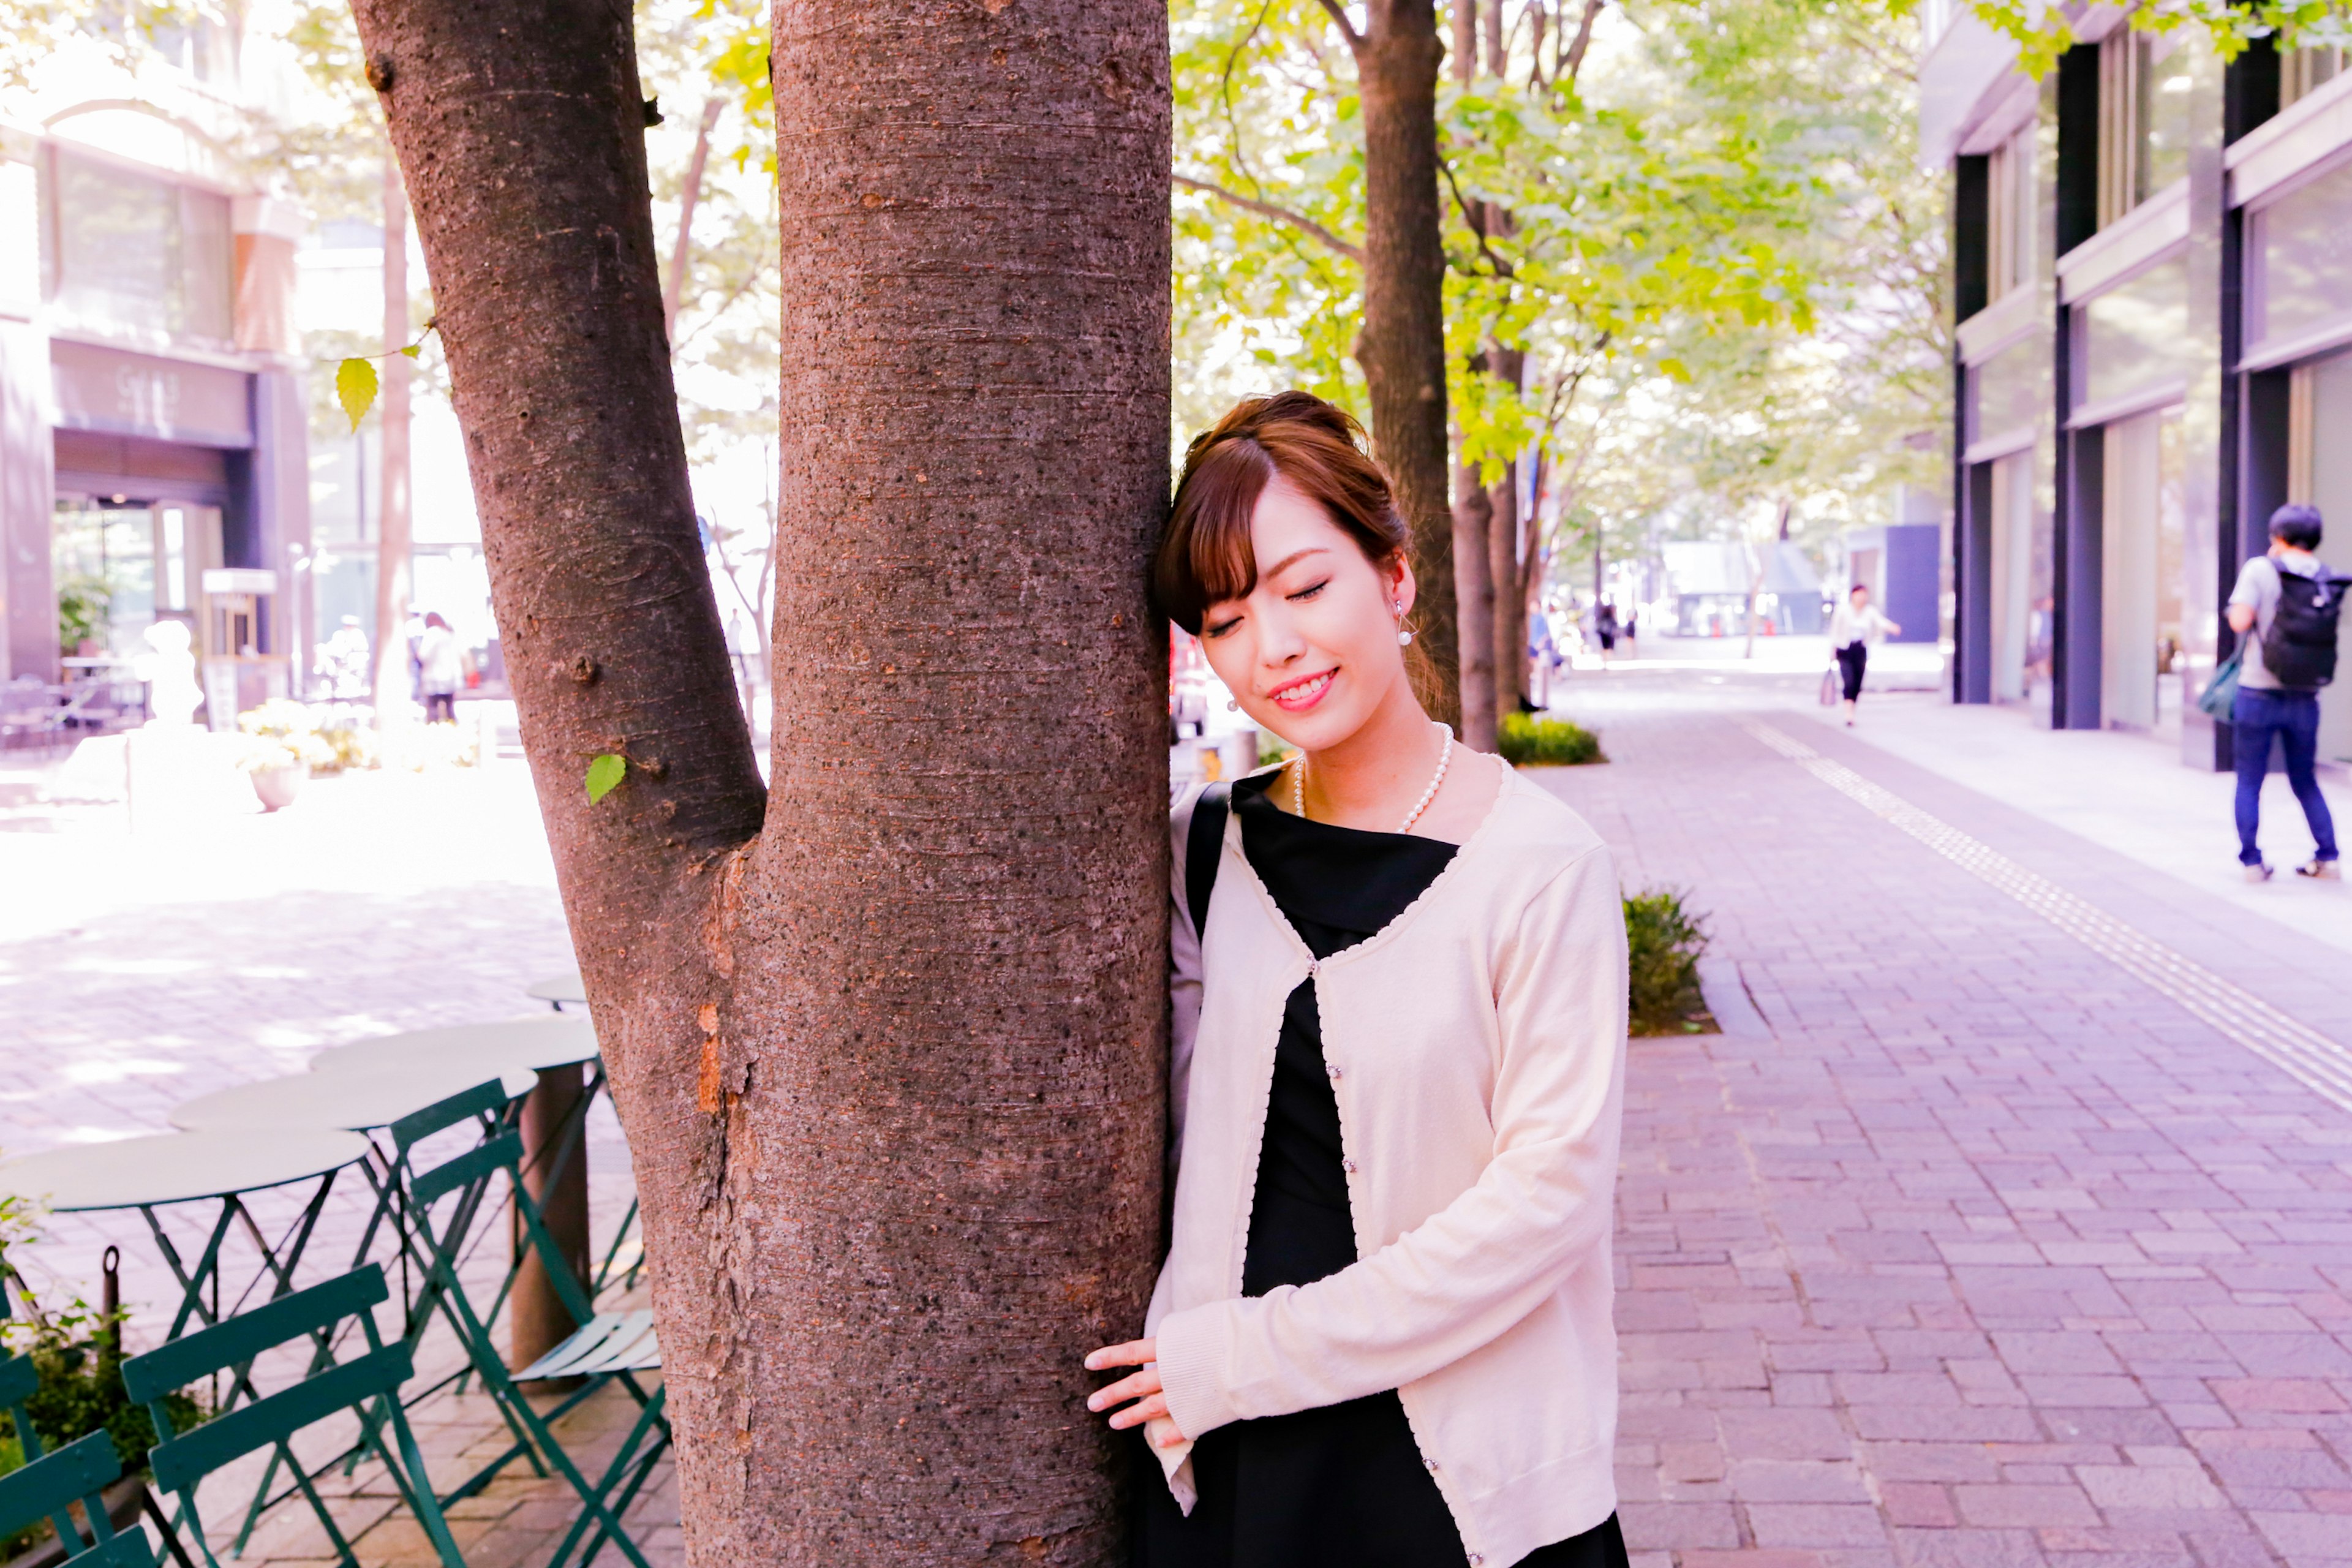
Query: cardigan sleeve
1468	1273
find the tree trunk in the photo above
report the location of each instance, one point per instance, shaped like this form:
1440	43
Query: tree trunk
1474	598
689	196
1403	345
961	1162
390	693
1473	584
1510	623
892	1073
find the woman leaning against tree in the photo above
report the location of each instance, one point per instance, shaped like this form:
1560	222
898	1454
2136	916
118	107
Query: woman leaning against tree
1382	1336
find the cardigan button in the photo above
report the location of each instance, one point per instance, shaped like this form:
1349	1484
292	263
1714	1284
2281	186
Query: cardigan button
1349	1166
1476	1560
1331	1069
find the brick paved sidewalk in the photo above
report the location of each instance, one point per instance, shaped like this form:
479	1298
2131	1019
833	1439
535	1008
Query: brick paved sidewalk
1987	1254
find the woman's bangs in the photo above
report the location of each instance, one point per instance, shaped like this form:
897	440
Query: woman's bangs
1222	565
1207	559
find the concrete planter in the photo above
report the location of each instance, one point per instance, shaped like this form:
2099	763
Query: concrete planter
278	787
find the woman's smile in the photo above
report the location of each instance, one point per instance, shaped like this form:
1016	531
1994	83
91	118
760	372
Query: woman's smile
1298	696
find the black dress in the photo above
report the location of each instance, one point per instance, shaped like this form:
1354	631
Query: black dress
1342	1485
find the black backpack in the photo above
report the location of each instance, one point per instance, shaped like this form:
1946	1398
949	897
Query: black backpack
2299	645
1204	846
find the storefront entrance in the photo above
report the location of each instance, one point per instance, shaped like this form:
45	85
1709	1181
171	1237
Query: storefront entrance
2021	600
2144	587
122	565
2320	473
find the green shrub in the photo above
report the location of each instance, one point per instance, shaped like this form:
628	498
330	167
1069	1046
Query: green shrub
81	1392
1528	740
80	1365
1663	941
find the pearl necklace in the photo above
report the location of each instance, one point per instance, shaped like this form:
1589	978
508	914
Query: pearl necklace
1445	756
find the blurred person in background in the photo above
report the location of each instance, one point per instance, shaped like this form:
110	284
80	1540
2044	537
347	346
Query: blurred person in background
440	668
1854	628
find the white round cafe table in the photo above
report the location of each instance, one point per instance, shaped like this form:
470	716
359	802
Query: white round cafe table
566	989
358	1099
176	1167
540	1042
148	1174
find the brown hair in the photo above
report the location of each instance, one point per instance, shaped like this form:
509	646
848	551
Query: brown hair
1204	556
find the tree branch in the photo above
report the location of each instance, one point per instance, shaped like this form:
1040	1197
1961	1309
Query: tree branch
1575	61
1347	28
1298	221
1476	223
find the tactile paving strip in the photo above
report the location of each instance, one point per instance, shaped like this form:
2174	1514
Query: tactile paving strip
2322	1064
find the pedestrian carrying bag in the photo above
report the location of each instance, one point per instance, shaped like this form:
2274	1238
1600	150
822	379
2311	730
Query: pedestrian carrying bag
2222	692
2299	645
1204	846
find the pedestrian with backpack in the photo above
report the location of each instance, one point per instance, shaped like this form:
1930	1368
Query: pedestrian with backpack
2291	603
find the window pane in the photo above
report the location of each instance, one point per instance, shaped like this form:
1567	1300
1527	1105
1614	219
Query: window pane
2307	256
115	233
2165	88
2008	390
207	261
2136	336
134	251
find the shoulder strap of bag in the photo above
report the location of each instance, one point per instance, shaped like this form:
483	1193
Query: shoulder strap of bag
1204	846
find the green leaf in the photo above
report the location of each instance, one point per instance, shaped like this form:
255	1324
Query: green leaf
355	388
412	350
604	775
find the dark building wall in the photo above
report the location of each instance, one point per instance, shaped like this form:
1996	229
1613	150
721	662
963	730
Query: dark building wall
1971	516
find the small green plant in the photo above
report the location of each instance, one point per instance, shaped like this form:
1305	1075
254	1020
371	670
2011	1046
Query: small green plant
285	734
79	1354
1530	741
83	605
1662	942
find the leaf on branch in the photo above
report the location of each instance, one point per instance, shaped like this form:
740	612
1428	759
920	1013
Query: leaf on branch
412	350
355	383
604	775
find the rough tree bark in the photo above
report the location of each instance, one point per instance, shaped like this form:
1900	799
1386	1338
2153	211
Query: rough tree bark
389	690
891	1065
1403	345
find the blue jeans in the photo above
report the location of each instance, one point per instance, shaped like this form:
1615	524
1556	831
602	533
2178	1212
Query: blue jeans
2294	717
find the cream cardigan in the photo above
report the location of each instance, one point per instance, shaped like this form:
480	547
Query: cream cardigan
1477	1049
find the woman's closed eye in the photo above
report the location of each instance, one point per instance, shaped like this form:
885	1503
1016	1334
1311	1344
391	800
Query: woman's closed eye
1303	594
1221	628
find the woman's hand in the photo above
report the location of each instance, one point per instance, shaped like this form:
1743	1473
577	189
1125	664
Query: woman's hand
1149	1409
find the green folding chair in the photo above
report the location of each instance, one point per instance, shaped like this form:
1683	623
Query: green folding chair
608	1347
485	1105
46	1486
368	1384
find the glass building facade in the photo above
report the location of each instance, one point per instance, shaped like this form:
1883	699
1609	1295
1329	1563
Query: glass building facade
2151	255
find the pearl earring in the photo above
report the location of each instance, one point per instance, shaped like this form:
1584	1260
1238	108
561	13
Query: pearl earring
1404	639
1232	706
1396	609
